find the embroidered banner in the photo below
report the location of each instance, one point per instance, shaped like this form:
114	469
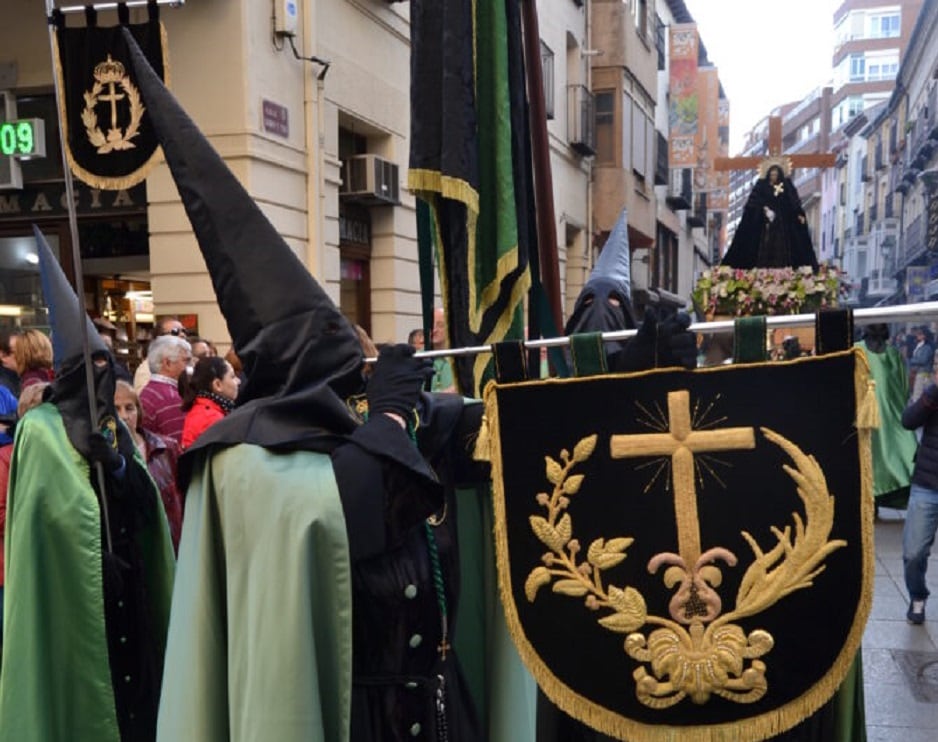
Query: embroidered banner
687	555
108	139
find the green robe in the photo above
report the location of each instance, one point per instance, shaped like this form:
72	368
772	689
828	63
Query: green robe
893	446
260	638
55	684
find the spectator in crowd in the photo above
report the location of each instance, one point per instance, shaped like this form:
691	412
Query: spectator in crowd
200	348
167	325
33	357
208	396
168	358
120	368
9	377
921	362
443	380
921	520
160	454
235	362
415	339
369	349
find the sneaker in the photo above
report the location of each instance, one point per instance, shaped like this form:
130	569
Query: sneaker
916	612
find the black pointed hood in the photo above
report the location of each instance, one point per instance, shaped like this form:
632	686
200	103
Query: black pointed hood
69	391
301	357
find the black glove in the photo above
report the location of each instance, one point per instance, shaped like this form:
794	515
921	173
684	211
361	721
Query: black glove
660	344
675	345
102	451
397	380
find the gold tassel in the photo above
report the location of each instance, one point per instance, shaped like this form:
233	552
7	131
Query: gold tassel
868	411
483	447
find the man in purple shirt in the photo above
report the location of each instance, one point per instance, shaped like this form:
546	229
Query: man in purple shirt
168	358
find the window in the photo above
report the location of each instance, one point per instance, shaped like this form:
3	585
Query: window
547	70
854	105
857	68
605	127
640	8
884	26
639	124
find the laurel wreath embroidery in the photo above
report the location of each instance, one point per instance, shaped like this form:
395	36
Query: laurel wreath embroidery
709	656
115	139
583	578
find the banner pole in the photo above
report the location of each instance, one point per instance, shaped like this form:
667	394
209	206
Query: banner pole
869	316
66	9
76	264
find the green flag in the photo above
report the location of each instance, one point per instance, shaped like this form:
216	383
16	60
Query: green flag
466	164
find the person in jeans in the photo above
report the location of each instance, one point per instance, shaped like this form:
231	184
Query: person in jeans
921	518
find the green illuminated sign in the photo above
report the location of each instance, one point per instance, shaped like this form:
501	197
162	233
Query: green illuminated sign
23	139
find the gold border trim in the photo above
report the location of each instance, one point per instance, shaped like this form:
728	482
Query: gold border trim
756	728
102	182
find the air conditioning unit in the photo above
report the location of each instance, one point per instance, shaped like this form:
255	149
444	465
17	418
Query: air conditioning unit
11	177
370	180
679	195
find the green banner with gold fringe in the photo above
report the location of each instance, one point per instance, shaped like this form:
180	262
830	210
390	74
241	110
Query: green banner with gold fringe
467	161
108	138
687	554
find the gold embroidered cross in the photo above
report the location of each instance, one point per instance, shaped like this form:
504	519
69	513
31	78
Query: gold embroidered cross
112	97
681	442
443	647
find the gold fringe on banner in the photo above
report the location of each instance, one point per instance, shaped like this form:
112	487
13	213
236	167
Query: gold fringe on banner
102	182
608	722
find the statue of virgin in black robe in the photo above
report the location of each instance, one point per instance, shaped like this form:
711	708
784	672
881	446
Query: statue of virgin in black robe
772	232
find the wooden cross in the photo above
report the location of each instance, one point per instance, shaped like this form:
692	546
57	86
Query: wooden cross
681	442
775	152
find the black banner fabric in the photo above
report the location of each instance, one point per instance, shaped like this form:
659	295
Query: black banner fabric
686	551
110	142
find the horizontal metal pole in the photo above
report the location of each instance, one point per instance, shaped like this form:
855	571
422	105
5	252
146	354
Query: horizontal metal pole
869	316
113	6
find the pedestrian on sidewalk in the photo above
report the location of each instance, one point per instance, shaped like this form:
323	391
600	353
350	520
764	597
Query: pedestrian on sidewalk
921	519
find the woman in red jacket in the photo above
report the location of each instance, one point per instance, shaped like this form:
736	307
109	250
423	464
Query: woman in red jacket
207	396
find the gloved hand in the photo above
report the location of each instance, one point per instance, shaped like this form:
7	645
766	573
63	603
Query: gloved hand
667	343
100	450
769	214
676	346
397	380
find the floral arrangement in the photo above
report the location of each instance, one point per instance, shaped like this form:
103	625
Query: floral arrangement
738	292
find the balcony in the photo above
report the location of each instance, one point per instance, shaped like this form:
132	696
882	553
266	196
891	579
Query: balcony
581	120
913	243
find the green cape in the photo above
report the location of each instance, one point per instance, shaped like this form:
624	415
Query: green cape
893	446
55	684
260	638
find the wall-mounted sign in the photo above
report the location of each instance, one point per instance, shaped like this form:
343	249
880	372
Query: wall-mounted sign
39	201
23	139
276	118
